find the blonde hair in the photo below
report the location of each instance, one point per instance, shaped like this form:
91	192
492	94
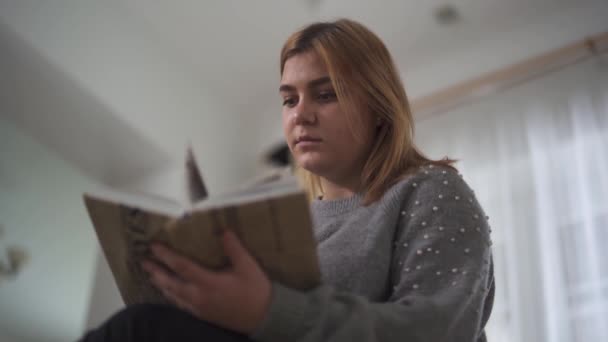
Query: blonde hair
362	72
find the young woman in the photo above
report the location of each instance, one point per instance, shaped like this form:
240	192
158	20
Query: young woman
404	246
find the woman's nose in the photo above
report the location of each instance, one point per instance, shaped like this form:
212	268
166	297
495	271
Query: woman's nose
304	113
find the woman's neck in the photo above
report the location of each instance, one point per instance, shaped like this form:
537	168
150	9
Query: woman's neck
337	190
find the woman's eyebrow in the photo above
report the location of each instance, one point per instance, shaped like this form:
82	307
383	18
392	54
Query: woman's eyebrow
312	84
319	81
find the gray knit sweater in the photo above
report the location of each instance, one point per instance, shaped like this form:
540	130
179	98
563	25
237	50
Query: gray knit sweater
414	266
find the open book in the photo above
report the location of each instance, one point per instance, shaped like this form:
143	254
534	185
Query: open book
271	219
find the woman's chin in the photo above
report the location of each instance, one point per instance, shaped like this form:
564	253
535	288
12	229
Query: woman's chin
314	165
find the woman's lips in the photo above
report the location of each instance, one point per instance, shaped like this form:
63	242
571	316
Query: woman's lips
307	142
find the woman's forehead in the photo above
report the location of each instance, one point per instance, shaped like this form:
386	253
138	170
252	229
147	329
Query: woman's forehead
303	67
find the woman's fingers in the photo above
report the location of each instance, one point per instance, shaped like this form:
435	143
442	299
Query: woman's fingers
182	266
236	298
180	292
239	256
182	298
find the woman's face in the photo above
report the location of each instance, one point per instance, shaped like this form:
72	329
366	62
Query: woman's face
315	127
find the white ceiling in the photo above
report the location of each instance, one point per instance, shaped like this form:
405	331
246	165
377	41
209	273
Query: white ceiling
234	44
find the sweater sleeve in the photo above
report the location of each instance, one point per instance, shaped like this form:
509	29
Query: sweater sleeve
441	278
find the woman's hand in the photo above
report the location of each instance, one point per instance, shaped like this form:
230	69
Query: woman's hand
235	299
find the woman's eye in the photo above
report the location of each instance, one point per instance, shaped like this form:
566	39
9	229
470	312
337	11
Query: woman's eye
289	102
327	96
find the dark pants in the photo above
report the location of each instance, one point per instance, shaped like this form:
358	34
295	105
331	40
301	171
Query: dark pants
151	322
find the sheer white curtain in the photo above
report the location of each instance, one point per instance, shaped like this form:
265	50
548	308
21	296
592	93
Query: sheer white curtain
537	155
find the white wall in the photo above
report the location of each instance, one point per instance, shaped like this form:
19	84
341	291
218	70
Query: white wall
42	211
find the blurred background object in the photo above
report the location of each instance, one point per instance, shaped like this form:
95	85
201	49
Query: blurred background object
12	262
12	259
112	93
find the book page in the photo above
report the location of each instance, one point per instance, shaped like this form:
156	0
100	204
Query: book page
259	192
147	202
